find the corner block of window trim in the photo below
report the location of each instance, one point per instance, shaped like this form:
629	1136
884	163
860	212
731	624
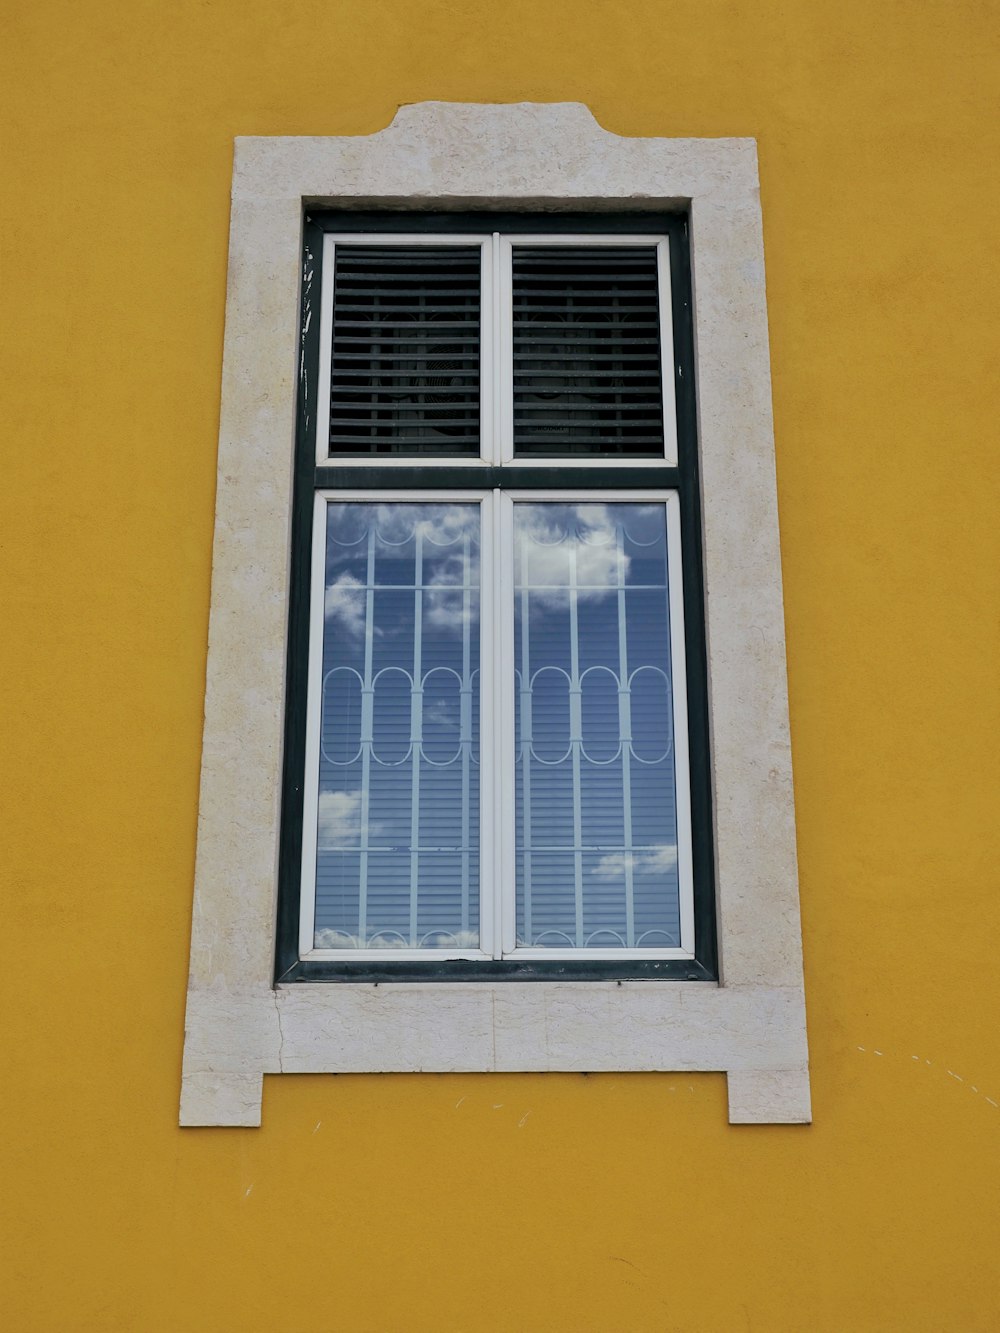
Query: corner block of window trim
751	1025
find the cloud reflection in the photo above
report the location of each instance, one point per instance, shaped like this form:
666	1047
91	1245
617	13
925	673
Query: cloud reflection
659	860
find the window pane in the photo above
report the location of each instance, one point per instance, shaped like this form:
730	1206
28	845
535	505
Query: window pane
397	863
596	817
587	351
405	369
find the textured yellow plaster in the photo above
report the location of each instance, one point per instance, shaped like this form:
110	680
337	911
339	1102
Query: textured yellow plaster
529	1202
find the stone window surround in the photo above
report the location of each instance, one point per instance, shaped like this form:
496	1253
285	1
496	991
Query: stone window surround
751	1025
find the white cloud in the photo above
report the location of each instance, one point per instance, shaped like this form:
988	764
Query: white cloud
549	532
655	860
338	820
442	714
334	939
442	940
438	524
445	608
444	601
443	529
345	604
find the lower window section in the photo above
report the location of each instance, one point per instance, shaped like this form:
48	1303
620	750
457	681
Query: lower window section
496	756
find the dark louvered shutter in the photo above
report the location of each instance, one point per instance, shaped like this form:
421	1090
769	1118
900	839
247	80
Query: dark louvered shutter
587	351
405	370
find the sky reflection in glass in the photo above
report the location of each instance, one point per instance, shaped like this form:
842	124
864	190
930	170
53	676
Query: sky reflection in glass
595	792
397	862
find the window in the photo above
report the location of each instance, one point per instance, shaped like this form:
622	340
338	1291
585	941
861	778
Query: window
552	455
495	735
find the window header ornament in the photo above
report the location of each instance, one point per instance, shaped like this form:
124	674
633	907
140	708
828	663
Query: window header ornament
751	1026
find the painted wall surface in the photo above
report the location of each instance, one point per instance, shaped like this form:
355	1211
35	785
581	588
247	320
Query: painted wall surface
504	1202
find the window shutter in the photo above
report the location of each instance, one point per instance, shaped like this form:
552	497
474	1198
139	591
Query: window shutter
405	370
587	376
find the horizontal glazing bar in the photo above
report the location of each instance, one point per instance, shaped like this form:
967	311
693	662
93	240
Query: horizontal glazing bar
512	476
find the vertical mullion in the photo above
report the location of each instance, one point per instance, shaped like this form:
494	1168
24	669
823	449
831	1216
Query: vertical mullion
576	741
625	736
489	368
367	735
416	731
504	347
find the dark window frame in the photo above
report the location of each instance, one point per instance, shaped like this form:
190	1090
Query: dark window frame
309	477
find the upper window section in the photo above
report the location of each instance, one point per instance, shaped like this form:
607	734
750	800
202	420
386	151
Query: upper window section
506	346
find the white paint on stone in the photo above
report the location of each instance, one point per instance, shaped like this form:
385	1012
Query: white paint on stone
751	1026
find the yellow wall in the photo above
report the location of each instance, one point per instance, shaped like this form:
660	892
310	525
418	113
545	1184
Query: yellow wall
506	1202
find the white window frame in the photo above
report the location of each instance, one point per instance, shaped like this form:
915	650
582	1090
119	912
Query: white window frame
488	410
751	1025
505	245
497	879
504	709
487	618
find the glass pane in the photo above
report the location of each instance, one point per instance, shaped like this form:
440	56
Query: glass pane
595	808
587	351
397	862
405	369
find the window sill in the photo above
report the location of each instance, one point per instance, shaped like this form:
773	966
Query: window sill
754	1033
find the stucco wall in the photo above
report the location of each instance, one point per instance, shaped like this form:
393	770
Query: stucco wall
551	1202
